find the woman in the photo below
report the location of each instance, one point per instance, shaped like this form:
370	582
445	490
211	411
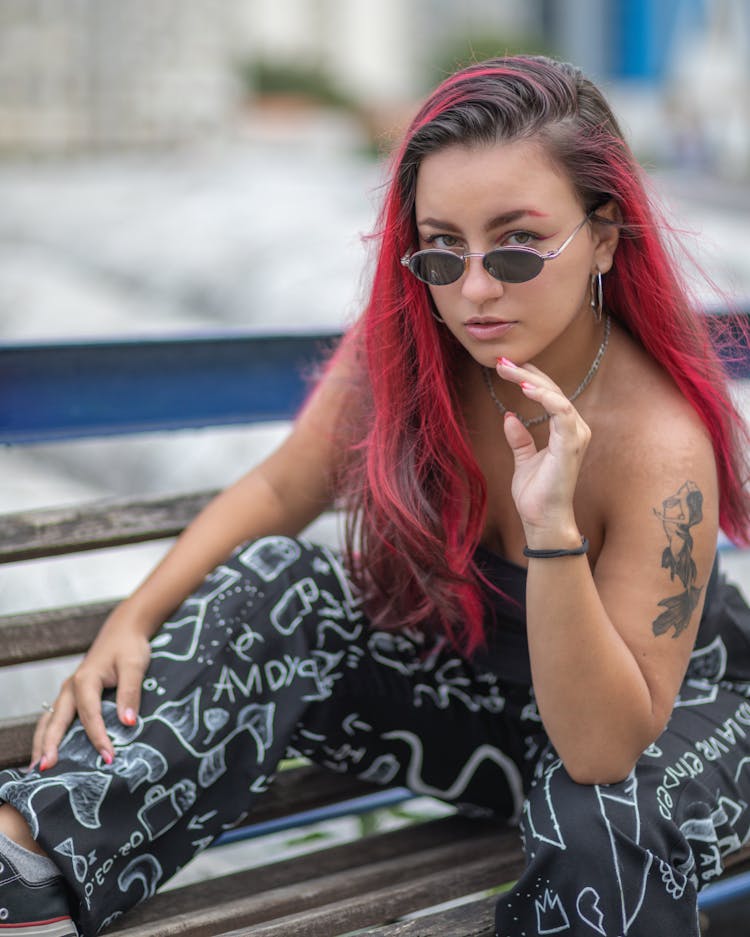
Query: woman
532	437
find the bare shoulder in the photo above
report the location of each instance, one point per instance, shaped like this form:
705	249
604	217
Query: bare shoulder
654	472
646	427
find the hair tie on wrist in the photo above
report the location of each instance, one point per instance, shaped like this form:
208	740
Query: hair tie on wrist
552	554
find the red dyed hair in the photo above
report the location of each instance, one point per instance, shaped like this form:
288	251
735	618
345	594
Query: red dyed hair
415	496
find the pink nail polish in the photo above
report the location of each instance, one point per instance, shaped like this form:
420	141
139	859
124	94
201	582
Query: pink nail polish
43	763
106	757
128	717
506	362
527	385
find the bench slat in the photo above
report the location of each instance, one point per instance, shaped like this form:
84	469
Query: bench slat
29	535
383	904
473	919
55	632
350	886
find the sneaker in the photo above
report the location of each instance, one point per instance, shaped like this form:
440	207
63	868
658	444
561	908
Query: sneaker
33	909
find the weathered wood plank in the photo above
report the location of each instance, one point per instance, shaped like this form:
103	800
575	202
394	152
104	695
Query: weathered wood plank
15	741
473	919
373	905
53	532
54	632
338	889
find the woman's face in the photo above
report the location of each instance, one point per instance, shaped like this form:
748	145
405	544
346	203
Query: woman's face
475	199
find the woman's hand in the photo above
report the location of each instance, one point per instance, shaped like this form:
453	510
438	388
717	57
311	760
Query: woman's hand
544	480
118	658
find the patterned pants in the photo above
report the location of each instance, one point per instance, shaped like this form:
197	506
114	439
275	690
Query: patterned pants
273	656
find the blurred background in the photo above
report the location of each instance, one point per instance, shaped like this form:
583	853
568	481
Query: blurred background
177	166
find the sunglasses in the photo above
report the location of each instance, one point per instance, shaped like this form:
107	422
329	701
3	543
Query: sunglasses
437	267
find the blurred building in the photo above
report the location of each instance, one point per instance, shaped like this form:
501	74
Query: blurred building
92	73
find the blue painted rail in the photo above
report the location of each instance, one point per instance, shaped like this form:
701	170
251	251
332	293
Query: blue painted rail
68	390
101	388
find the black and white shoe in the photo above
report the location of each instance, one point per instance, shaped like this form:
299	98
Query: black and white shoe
33	909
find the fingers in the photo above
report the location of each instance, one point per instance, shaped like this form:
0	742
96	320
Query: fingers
81	695
538	387
519	438
129	693
88	691
50	729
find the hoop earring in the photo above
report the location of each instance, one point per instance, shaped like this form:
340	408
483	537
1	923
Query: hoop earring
437	318
597	295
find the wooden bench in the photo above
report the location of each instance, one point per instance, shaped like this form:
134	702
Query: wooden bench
373	885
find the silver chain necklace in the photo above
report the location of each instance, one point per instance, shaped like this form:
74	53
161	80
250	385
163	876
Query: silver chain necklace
534	421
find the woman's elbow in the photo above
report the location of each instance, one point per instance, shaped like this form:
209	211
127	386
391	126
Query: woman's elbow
592	774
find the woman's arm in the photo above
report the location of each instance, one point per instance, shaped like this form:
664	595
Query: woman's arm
281	495
609	648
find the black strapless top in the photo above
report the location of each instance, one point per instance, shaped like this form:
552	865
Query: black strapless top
722	646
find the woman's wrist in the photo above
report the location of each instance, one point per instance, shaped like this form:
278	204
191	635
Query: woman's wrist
557	537
557	552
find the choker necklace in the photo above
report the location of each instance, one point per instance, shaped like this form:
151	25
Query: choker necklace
534	421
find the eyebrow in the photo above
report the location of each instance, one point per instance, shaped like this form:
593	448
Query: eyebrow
496	222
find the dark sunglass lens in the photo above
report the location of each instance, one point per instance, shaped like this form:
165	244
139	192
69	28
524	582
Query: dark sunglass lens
438	268
513	266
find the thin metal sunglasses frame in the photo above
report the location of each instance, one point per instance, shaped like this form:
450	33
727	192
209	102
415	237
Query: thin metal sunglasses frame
408	259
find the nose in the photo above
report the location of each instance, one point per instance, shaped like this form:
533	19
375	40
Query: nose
477	285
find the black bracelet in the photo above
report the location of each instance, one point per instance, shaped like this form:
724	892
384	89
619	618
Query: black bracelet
552	554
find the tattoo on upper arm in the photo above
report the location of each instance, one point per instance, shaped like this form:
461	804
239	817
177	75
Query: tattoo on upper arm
679	513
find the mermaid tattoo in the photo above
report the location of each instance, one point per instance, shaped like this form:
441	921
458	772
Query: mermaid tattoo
679	513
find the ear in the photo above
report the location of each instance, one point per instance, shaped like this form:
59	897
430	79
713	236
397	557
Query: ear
605	223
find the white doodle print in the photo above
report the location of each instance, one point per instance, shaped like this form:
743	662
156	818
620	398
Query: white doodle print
696	693
146	870
450	687
350	632
164	807
709	662
483	753
587	906
86	791
382	770
245	641
545	828
395	650
620	811
179	640
214	720
703	831
294	605
674	882
727	735
257	718
139	764
352	724
744	763
182	716
551	917
270	556
80	863
349	599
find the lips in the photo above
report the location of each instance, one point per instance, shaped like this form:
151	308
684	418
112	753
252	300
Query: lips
487	329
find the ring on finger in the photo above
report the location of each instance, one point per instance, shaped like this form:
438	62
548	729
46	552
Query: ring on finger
48	707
